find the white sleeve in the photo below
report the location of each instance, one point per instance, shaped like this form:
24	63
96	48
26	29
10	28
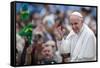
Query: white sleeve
65	46
90	51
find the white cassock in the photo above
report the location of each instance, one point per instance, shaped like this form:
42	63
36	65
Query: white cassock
81	46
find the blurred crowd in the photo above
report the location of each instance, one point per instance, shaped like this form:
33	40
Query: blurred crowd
40	28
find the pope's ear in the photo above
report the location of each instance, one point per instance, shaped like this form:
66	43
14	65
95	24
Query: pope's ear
82	20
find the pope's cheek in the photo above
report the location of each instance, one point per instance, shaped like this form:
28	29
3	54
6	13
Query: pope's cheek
76	30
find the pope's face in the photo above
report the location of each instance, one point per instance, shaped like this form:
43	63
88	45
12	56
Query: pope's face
76	23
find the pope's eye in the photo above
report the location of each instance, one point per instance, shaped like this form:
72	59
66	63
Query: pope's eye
75	23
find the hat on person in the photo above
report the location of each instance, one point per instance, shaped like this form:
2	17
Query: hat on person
77	14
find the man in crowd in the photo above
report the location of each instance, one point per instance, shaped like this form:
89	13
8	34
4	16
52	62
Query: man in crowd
48	55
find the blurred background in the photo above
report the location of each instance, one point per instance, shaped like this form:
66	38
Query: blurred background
41	26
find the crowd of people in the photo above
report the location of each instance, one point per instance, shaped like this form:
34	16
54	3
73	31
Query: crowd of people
41	28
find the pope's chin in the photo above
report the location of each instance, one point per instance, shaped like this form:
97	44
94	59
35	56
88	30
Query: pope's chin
76	31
